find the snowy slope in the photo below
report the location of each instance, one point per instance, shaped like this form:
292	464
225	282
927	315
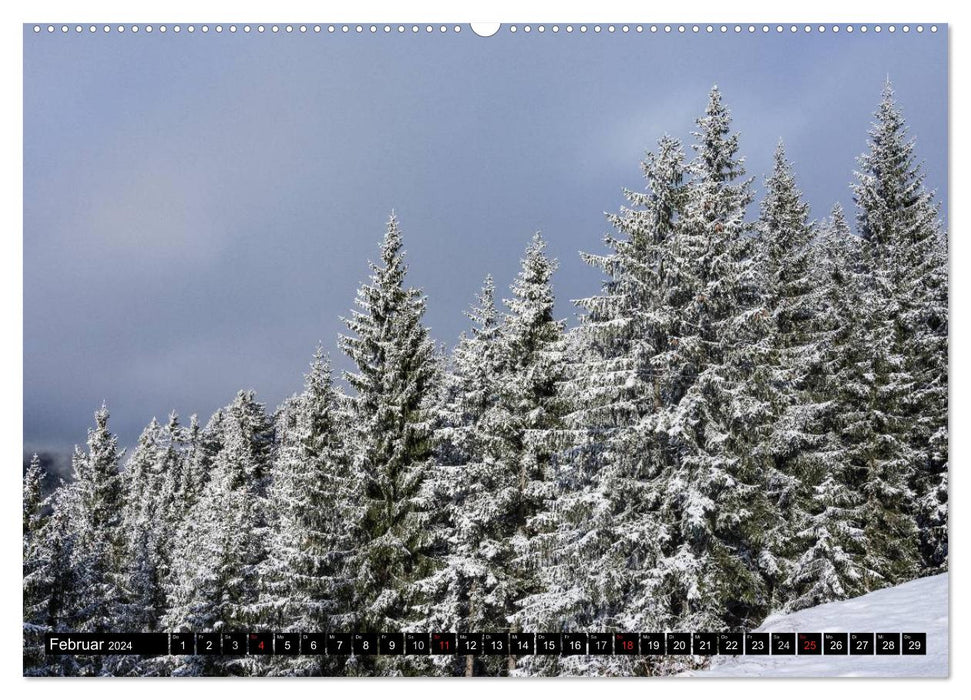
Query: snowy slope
916	606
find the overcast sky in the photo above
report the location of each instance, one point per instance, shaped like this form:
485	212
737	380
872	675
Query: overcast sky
199	209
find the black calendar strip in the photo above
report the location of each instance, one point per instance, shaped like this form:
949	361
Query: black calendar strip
490	643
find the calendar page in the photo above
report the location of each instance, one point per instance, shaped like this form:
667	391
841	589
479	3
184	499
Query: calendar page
485	350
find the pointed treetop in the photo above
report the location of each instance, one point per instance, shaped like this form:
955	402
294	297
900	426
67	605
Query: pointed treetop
716	144
532	302
781	167
100	439
536	267
537	245
889	117
32	500
663	170
391	271
483	312
893	206
318	379
669	153
391	252
782	193
838	219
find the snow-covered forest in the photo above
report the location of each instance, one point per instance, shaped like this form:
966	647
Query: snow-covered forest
749	417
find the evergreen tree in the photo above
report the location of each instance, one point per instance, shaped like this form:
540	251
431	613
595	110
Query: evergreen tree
140	582
89	509
605	524
829	538
790	378
174	491
198	450
50	587
32	500
96	498
153	509
531	413
469	474
303	580
34	590
710	502
899	219
222	542
394	384
897	454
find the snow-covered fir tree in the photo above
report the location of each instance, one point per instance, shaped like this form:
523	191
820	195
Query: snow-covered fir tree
829	539
891	451
32	500
391	445
34	588
604	513
900	220
95	501
144	596
467	593
91	506
222	542
710	501
531	411
50	588
303	580
791	441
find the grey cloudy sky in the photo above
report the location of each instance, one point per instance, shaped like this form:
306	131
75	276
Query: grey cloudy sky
199	209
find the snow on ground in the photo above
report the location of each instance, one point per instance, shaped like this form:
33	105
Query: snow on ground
915	606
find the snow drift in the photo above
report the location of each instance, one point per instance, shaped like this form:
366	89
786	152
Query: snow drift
915	606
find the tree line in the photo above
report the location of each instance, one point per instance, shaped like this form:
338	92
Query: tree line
749	416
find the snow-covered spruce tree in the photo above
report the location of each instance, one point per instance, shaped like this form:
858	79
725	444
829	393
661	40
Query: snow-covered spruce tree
222	542
174	494
605	527
32	500
530	412
144	598
97	495
51	585
304	585
152	512
829	537
907	253
199	447
34	588
91	504
141	596
391	447
710	499
790	377
470	471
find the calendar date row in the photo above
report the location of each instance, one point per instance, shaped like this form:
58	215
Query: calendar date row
492	643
